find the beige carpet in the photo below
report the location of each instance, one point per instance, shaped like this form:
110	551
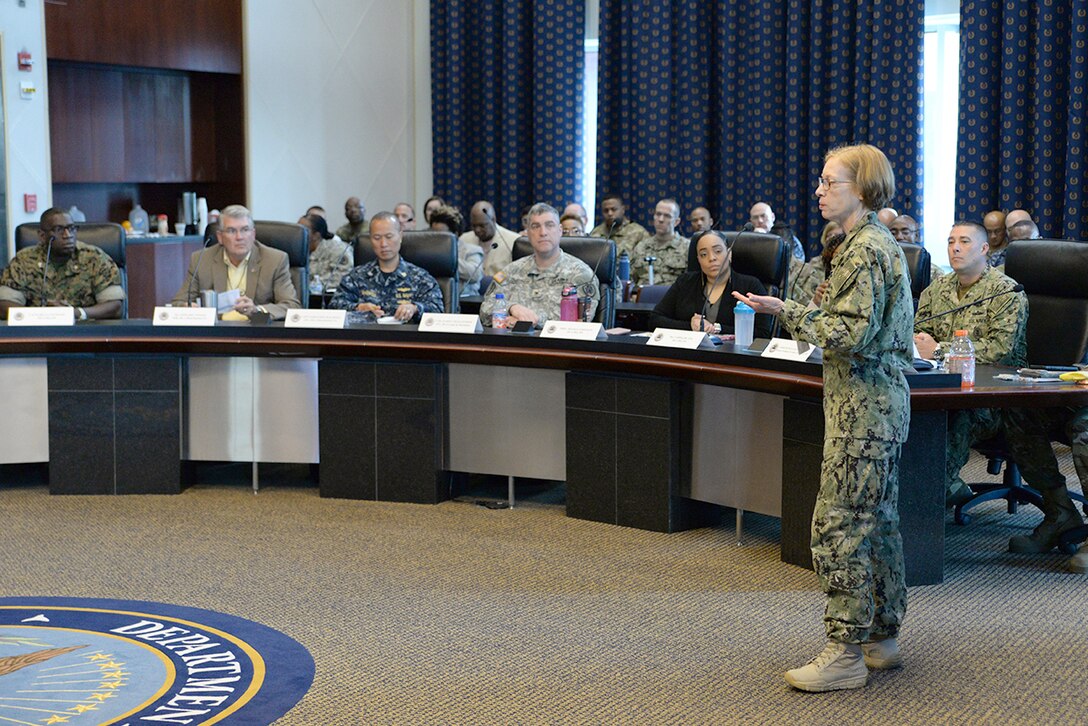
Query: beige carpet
456	614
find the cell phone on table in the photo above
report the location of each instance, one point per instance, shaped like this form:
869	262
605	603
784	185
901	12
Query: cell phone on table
522	326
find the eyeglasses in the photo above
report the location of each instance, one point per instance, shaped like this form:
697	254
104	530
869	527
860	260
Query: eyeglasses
826	183
236	231
61	229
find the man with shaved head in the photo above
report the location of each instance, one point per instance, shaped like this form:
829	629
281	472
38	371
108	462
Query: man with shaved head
1018	225
886	216
357	227
761	219
994	222
701	222
496	241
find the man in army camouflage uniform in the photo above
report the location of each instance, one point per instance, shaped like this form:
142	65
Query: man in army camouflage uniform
905	230
534	285
625	233
78	275
805	277
863	323
330	258
666	245
997	329
387	286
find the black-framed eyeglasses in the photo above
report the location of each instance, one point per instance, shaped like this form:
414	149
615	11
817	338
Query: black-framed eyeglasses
60	229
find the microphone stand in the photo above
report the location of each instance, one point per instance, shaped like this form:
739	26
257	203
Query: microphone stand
45	268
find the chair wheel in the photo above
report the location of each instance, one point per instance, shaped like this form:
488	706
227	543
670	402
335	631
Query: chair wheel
1068	548
962	518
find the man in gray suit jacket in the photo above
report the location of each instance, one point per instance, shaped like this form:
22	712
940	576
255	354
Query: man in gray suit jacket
240	262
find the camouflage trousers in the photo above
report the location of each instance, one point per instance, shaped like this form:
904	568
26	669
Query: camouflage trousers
857	551
966	427
1029	433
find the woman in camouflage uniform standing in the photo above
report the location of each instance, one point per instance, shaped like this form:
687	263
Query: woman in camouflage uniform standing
864	323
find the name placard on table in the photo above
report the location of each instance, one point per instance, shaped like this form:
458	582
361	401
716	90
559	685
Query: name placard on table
450	323
788	349
673	338
568	330
42	316
195	317
324	319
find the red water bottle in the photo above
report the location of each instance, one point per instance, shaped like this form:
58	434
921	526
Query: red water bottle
568	304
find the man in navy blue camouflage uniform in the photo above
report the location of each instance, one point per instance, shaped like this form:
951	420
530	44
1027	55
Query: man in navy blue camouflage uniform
388	285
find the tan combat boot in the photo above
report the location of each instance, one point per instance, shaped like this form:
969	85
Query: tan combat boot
1059	515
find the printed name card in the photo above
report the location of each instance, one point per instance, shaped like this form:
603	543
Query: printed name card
449	323
42	316
184	316
327	319
671	338
568	330
788	349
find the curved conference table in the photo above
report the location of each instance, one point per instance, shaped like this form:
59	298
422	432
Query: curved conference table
649	437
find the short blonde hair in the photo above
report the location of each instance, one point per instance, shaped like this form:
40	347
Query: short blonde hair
872	172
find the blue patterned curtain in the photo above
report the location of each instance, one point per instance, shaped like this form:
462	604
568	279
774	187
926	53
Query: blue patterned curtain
1023	121
506	100
726	103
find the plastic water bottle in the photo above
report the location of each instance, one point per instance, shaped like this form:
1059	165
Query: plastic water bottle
316	286
744	324
138	219
961	359
568	304
498	313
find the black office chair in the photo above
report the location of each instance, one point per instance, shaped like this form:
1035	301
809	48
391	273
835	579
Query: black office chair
918	267
109	237
600	255
1054	274
294	239
434	251
652	294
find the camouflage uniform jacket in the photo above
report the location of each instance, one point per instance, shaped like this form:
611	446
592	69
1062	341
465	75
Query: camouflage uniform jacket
671	262
406	284
523	283
805	277
864	326
331	260
997	328
626	236
88	277
997	258
350	232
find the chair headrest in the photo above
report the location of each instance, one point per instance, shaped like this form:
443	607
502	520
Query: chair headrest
433	250
1052	267
597	252
108	236
294	239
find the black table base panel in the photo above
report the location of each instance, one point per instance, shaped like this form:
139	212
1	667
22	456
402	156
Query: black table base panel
627	453
382	430
921	488
114	425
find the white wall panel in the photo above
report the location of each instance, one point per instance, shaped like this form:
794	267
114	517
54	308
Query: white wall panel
334	90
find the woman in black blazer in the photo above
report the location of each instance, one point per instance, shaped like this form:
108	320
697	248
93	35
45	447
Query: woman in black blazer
705	298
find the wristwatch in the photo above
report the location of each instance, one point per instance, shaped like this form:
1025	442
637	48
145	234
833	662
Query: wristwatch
82	314
938	352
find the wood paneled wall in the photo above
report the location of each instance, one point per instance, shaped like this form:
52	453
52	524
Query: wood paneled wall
191	35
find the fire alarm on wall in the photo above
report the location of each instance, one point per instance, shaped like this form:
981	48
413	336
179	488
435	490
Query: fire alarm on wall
30	203
26	61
